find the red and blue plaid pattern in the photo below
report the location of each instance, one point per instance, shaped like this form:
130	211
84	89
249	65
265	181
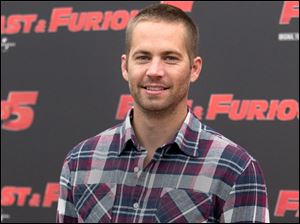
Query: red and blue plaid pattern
199	176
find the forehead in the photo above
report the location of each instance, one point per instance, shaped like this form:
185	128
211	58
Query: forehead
152	36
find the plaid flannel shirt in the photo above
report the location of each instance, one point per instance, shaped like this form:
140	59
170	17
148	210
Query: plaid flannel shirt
199	176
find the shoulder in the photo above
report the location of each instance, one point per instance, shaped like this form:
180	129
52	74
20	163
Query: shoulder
224	163
101	143
230	155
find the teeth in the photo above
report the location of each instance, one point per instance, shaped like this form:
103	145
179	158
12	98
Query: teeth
154	88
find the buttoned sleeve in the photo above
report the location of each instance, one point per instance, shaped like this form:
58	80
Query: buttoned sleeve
247	200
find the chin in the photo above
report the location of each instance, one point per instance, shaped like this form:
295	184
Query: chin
159	107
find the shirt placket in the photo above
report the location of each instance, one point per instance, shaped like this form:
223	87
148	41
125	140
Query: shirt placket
143	174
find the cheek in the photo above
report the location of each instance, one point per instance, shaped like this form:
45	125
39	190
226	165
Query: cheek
136	75
133	81
183	77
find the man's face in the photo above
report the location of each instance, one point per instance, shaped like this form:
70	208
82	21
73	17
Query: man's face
158	68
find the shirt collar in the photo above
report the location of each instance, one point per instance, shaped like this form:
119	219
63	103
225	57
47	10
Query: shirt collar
187	138
127	133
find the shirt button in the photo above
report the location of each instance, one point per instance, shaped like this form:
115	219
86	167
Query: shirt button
136	205
136	169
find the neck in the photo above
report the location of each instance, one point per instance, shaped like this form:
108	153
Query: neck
155	128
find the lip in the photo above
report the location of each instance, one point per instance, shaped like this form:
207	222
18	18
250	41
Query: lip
154	89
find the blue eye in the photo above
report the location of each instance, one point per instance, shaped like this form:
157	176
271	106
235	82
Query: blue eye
142	59
171	59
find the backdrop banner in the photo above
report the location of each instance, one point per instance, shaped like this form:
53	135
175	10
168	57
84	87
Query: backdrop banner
61	83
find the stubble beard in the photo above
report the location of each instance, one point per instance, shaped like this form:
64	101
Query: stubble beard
152	105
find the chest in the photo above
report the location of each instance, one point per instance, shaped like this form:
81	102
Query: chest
127	192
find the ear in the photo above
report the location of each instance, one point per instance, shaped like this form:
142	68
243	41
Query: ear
124	67
196	68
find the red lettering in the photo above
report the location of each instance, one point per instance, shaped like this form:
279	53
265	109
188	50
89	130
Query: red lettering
257	109
93	20
35	200
3	21
273	109
10	193
8	196
22	192
218	104
183	5
51	194
119	20
288	110
125	103
287	201
284	110
77	22
59	17
40	27
289	11
13	24
5	110
198	111
236	115
19	103
87	21
107	19
28	20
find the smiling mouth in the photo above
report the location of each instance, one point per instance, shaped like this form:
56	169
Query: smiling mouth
155	90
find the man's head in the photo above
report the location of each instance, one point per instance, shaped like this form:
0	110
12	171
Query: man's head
160	60
169	14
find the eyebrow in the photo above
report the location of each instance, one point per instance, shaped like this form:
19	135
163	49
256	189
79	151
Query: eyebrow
163	53
141	52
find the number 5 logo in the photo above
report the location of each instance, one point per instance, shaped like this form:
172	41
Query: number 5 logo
18	104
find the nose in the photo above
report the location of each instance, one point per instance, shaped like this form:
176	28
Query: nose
155	69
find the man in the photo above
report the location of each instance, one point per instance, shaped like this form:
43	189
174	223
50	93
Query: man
161	164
